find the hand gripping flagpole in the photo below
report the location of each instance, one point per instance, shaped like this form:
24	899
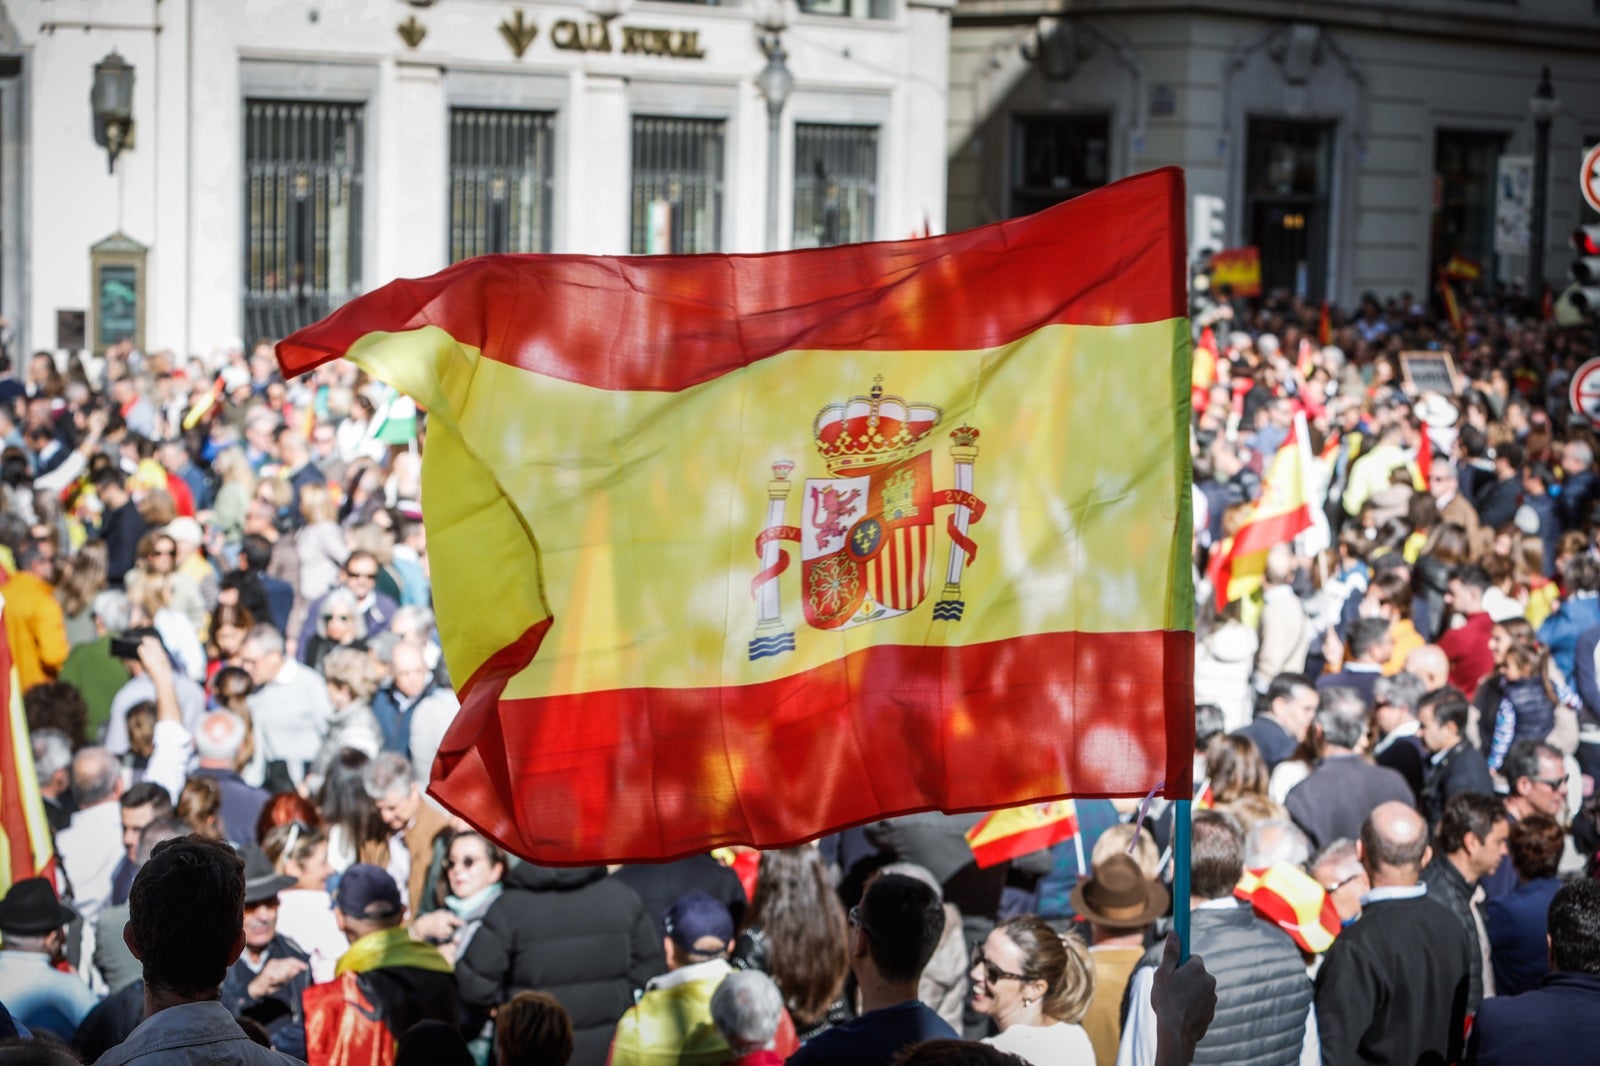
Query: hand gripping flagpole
965	452
771	638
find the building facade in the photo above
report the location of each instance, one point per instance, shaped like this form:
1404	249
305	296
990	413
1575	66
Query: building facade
284	155
1358	144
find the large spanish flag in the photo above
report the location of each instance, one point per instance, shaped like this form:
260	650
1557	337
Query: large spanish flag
26	848
744	549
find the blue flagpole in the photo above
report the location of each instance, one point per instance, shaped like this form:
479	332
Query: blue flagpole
1180	876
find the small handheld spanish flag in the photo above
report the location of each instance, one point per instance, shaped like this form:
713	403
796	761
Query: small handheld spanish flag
1292	900
203	404
1452	306
1015	831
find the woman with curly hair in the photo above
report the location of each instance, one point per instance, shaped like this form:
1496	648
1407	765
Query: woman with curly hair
795	933
1036	984
58	705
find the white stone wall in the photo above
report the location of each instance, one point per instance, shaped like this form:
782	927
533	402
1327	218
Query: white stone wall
1419	67
179	188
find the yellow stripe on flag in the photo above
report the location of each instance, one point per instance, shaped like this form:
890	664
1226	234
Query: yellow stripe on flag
1091	531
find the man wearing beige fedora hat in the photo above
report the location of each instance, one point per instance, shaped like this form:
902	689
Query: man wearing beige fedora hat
1119	903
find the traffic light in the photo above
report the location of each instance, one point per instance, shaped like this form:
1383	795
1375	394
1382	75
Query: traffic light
1586	269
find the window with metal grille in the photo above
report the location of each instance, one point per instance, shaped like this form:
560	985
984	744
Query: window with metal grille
677	185
835	184
1057	157
500	178
302	188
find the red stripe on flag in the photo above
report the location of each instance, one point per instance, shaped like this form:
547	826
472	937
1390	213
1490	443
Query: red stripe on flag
13	817
600	319
889	591
908	559
656	774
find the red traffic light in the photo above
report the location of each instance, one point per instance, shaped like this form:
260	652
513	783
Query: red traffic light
1586	240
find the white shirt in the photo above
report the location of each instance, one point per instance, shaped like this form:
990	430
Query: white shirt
1059	1044
399	867
90	848
305	915
1387	892
291	714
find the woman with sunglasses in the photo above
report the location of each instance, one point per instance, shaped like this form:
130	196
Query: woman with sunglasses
339	624
1036	984
158	558
474	869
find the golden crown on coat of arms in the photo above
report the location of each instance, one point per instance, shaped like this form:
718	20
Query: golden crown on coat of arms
870	431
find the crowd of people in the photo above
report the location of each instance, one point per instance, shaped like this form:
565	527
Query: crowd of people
217	599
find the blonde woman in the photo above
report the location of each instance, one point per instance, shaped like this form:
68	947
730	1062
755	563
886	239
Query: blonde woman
1036	984
233	495
150	597
320	544
158	555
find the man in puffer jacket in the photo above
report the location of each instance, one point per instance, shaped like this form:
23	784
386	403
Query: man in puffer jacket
1264	1015
576	933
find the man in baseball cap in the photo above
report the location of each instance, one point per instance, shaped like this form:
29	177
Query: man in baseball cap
32	922
671	1023
387	980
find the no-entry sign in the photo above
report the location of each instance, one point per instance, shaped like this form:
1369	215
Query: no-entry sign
1585	391
1590	178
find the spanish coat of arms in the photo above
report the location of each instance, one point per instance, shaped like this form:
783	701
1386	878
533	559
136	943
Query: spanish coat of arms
867	534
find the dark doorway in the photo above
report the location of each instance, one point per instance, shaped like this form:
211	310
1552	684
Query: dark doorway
1466	166
1288	173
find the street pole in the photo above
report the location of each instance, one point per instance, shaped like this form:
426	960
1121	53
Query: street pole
774	83
1541	179
774	133
1543	107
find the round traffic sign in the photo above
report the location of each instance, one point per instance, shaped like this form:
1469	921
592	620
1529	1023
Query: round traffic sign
1584	394
1589	177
